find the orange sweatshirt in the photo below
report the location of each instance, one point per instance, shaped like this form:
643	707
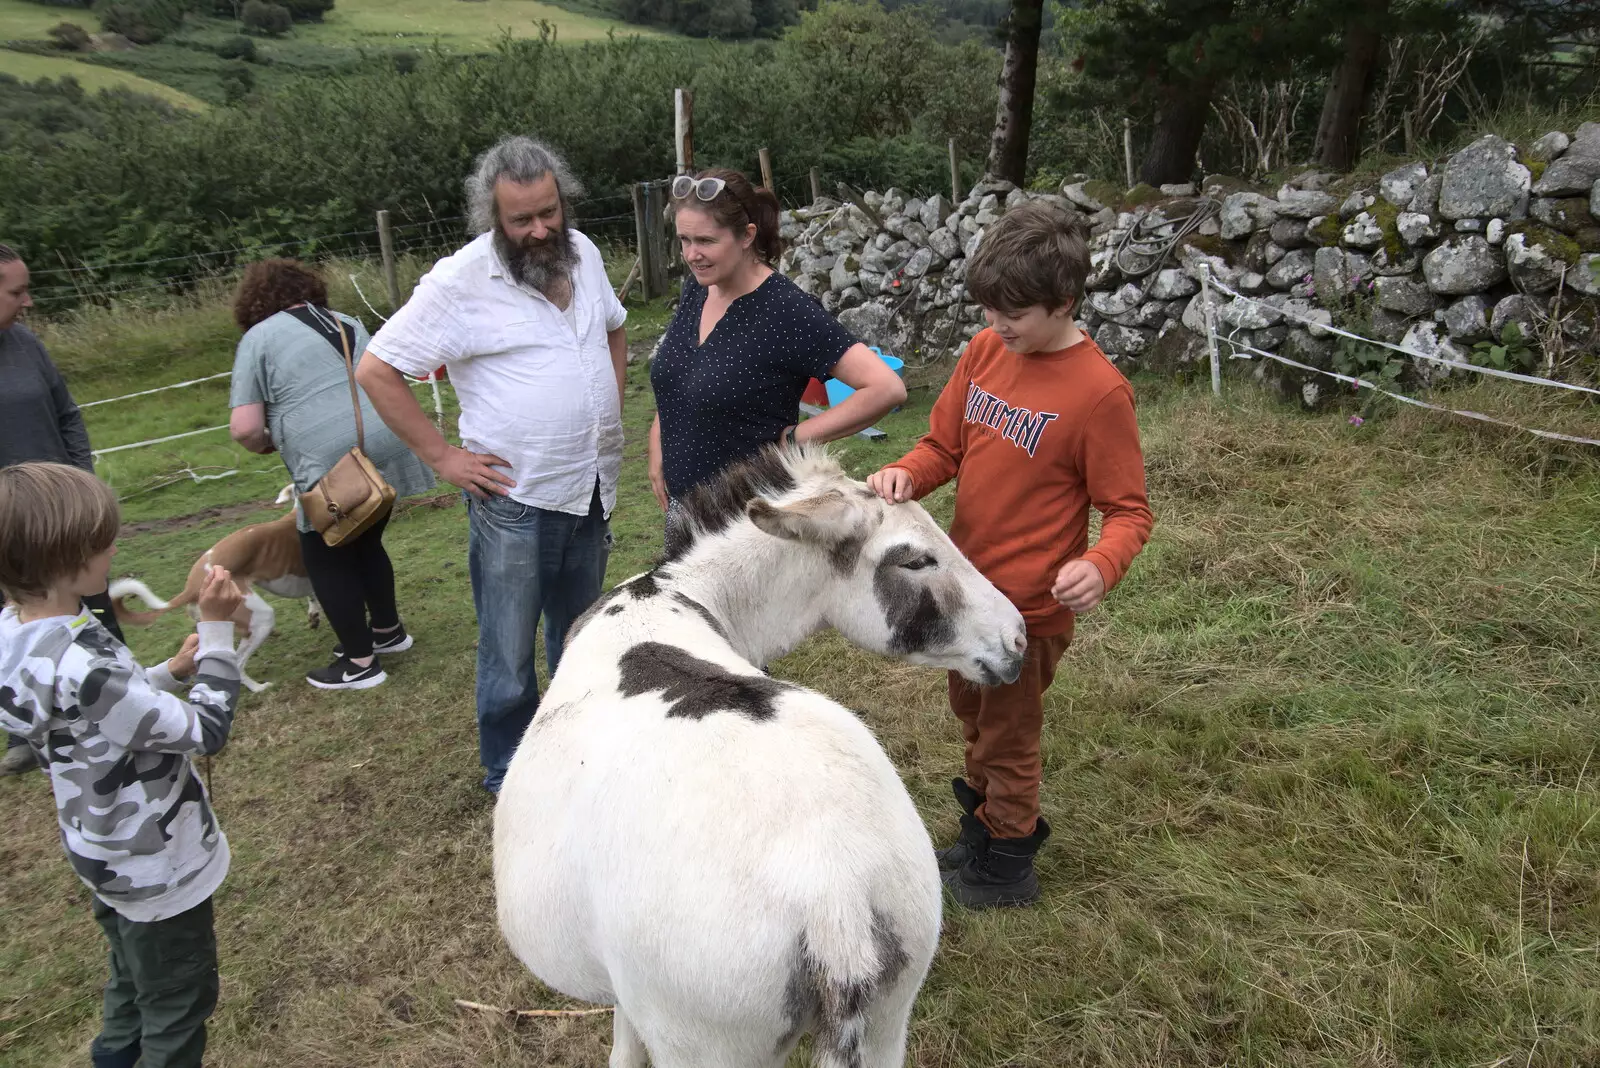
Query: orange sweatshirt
1032	442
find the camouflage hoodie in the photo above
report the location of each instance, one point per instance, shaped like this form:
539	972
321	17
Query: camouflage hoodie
134	816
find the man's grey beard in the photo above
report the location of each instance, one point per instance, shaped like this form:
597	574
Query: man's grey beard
544	265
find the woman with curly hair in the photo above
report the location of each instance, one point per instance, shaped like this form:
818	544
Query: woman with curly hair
291	394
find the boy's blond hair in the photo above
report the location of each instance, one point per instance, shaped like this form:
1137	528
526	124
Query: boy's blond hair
53	519
1036	254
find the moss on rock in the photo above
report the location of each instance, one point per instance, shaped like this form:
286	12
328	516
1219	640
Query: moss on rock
1139	195
1558	245
1105	192
1222	185
1326	232
1387	216
1230	252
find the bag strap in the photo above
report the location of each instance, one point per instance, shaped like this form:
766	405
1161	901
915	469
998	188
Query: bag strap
318	320
350	373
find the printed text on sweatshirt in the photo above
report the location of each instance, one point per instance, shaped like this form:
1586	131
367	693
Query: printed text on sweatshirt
1033	441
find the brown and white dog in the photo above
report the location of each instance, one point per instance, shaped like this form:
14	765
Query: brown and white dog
264	555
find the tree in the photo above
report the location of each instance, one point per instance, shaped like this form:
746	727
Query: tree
1338	142
70	37
726	19
269	20
141	21
1013	120
1172	56
238	47
308	10
1364	27
237	82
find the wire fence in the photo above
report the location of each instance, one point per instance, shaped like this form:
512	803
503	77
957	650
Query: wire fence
1242	350
56	287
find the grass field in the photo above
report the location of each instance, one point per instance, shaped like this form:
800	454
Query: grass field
93	77
1321	770
461	26
183	71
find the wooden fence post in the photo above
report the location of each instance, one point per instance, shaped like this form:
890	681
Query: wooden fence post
1127	148
386	245
655	253
683	128
766	171
816	185
955	175
641	235
1211	329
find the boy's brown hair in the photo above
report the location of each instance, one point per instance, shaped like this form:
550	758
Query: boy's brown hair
1037	253
53	519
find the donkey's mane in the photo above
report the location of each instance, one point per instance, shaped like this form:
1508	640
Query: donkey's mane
718	502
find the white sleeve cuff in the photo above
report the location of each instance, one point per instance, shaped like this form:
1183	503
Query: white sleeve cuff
215	637
412	360
161	678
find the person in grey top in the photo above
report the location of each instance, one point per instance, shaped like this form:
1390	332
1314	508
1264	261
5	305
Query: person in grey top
291	393
38	421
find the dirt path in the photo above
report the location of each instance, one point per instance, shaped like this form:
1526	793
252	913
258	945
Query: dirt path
236	511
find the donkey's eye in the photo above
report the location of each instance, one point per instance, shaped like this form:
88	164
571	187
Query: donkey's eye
919	563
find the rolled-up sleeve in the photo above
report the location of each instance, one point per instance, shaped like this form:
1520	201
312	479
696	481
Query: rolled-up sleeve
423	334
616	314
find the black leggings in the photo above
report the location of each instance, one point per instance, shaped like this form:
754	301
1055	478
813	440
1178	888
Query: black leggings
350	582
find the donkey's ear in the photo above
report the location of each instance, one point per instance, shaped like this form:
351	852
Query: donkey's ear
827	519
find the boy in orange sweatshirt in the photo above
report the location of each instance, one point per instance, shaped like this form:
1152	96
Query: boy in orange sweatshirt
1036	426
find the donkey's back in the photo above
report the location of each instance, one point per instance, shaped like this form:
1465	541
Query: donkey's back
729	859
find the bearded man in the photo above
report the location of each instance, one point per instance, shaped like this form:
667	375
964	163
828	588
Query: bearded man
525	321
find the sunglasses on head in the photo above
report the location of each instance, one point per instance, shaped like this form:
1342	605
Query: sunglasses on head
704	188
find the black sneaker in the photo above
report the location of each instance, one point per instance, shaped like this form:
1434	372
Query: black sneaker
397	641
343	674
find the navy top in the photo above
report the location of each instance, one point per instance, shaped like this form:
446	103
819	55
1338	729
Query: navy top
722	401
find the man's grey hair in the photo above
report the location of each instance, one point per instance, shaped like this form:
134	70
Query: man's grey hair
521	160
8	254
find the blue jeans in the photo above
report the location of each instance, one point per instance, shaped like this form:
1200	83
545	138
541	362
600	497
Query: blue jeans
525	561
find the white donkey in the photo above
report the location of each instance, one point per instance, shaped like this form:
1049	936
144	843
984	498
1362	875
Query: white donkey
732	860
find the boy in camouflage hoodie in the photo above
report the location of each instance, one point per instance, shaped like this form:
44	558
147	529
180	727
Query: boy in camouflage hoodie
117	742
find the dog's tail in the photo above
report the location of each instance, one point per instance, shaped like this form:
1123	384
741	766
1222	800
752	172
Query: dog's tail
124	588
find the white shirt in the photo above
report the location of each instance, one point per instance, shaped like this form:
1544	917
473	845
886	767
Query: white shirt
536	383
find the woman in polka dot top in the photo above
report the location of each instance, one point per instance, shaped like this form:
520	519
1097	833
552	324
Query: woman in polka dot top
736	358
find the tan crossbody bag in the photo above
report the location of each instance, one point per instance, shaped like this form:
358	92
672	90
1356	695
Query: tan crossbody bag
353	494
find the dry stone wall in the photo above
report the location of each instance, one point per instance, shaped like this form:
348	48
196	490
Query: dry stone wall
1433	257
